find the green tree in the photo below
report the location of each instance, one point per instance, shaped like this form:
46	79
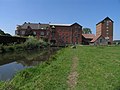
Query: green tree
7	34
2	32
86	31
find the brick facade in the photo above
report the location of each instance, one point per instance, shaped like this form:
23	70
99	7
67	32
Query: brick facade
57	34
105	28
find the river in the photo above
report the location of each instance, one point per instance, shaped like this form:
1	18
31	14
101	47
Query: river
11	63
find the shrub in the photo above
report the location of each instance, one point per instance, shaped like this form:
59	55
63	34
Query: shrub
33	43
9	48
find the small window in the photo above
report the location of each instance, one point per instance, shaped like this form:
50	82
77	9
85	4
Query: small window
107	21
34	33
23	32
107	24
107	30
16	32
100	40
107	27
47	33
79	27
42	34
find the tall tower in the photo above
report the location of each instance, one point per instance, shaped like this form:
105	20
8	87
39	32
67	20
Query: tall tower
105	28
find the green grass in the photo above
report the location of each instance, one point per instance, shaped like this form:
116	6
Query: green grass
98	69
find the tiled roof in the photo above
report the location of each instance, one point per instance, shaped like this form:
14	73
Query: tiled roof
64	24
89	36
40	25
34	26
95	38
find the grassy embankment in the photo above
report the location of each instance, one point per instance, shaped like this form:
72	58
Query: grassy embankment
98	69
30	44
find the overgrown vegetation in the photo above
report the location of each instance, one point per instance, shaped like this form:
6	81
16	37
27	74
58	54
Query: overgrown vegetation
50	75
98	69
30	44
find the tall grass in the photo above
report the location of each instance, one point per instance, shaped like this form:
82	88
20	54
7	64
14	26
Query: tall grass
31	43
98	69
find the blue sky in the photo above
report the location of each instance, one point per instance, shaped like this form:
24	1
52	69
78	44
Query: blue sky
85	12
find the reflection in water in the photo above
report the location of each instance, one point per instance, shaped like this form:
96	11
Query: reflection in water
11	63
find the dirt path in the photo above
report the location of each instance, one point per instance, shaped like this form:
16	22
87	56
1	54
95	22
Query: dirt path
72	78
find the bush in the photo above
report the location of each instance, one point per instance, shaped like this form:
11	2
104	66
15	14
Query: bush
9	48
2	50
33	43
30	44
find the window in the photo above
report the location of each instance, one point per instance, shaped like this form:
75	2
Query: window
42	28
23	32
107	34
107	27
16	32
107	23
47	33
100	40
75	26
107	30
79	27
34	33
42	33
78	35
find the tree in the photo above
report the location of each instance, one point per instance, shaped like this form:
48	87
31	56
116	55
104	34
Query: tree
5	34
2	32
86	31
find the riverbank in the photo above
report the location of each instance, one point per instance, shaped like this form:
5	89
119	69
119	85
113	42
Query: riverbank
91	68
30	44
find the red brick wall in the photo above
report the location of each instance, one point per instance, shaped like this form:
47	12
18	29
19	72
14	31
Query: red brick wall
63	34
106	30
67	34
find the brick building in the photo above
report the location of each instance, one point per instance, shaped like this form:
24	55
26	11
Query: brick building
39	30
56	34
104	29
62	34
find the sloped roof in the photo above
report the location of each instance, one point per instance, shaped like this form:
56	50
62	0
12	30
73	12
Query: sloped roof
34	25
89	36
96	38
107	18
64	24
60	24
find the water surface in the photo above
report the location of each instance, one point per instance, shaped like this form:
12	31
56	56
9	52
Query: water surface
10	63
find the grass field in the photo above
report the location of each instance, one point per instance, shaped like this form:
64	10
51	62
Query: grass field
97	68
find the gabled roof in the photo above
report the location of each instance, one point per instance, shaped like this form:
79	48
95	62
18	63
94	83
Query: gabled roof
34	25
88	36
107	18
96	38
76	24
